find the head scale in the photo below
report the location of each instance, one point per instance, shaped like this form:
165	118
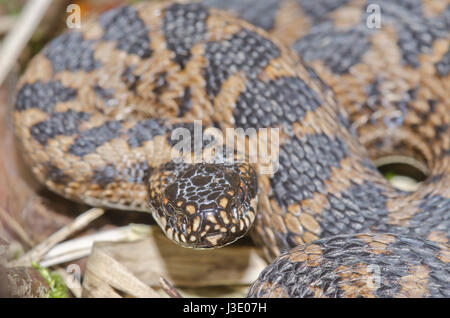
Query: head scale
205	205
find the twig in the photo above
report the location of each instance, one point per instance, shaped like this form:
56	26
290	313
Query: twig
19	35
35	254
169	289
16	227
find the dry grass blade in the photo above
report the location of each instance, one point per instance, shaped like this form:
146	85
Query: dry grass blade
16	227
81	247
35	254
19	35
169	289
156	256
106	277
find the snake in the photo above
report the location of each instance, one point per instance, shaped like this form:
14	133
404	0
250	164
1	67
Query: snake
103	111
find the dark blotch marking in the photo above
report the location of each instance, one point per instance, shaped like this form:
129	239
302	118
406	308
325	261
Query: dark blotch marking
161	83
43	96
89	140
401	257
362	208
406	106
184	102
374	95
65	124
417	33
138	173
71	52
124	26
324	86
56	175
284	100
103	177
443	66
435	179
104	93
433	216
130	79
375	101
144	131
414	6
318	10
160	86
259	13
245	51
358	209
206	140
184	26
338	49
441	130
304	166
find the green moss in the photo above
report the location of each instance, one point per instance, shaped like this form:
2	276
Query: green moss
56	283
389	175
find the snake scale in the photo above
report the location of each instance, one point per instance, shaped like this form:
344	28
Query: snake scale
95	112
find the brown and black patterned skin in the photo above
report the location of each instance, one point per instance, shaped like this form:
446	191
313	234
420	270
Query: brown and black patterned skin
359	265
96	108
394	83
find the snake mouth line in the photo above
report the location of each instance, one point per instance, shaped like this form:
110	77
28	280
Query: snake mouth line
210	234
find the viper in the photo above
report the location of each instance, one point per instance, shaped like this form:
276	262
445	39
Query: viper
101	111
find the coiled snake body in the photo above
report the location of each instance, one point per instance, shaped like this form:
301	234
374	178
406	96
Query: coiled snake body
96	109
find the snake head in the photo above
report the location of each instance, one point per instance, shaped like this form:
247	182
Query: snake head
207	205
